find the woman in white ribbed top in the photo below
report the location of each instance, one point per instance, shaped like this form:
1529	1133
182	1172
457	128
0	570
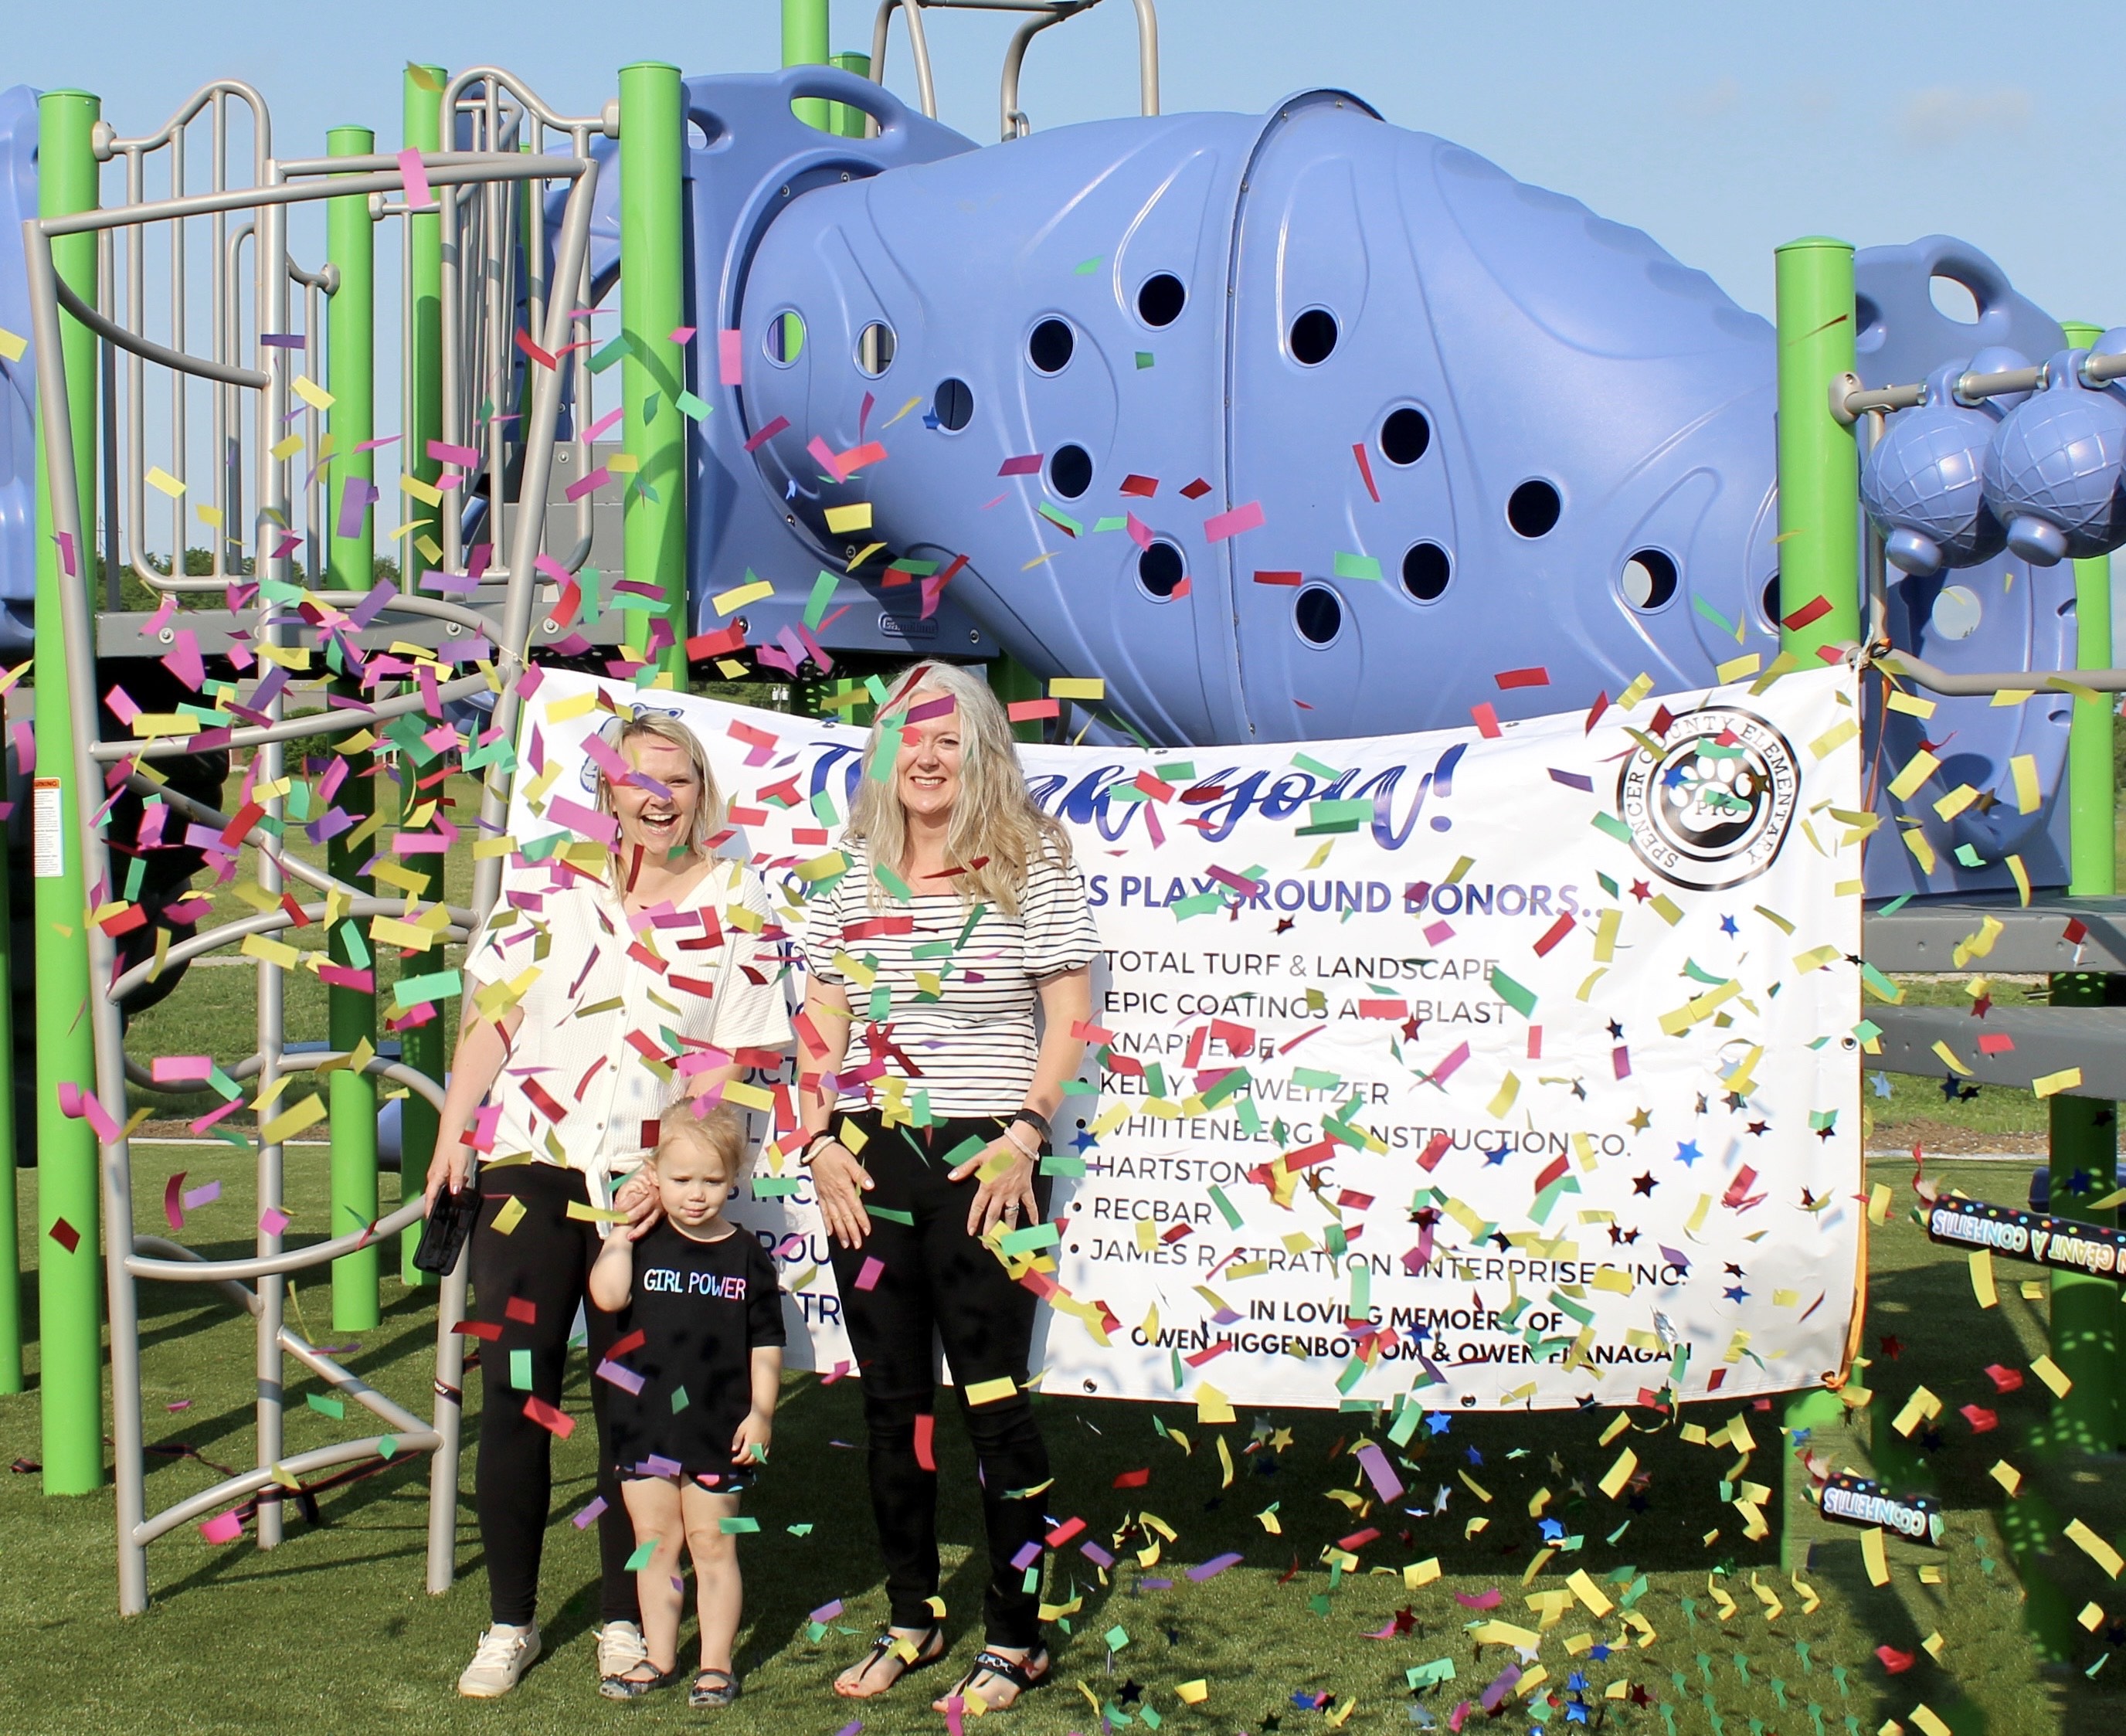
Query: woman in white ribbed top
598	975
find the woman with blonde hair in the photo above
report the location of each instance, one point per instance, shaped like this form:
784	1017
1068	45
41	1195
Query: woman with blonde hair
960	912
577	986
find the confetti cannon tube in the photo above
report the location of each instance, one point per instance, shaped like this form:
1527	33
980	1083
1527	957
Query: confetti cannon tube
351	1014
68	1269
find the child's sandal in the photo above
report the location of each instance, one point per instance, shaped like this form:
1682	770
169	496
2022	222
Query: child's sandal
725	1692
631	1685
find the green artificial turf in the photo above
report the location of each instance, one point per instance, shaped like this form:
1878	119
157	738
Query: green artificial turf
332	1631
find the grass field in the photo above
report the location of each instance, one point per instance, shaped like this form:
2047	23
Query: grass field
331	1632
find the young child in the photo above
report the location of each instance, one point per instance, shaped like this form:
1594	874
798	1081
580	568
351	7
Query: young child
704	1331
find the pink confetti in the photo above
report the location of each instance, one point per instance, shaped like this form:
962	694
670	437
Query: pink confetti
1221	525
418	198
222	1528
730	358
873	1270
273	1220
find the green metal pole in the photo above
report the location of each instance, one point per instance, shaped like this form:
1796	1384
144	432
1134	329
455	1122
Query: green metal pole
843	122
1819	542
11	1251
422	128
653	130
804	43
2085	1339
69	1279
351	1014
1819	463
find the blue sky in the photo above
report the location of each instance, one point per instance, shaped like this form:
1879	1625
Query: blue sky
1722	129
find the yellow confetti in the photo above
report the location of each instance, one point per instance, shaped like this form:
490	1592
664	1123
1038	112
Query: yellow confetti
739	595
1421	1573
841	520
2051	1084
2095	1548
1981	1278
1740	669
1212	1406
1619	1473
284	1127
1078	686
311	393
1917	769
2024	767
1873	1553
1922	1407
1588	1592
2054	1376
162	480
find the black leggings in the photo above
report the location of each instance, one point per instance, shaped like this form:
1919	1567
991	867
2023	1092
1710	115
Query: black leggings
543	1260
936	1276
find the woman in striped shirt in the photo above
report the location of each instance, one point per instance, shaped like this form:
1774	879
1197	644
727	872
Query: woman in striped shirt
959	911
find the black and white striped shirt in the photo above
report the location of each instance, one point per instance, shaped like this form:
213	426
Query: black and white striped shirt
957	1005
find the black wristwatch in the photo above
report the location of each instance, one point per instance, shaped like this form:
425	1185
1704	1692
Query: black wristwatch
1042	1130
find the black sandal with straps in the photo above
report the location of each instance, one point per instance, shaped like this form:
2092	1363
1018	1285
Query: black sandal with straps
713	1688
1013	1670
887	1645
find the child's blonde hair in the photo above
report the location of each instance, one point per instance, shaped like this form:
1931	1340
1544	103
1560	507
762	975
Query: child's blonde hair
722	1131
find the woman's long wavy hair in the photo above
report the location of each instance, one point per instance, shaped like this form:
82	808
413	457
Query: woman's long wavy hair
996	833
647	726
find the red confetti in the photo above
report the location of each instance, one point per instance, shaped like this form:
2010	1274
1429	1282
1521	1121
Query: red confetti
522	1310
1814	609
1509	679
65	1234
1196	490
556	1423
1487	721
926	1426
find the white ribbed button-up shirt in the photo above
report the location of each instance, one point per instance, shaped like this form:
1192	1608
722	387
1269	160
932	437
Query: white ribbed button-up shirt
621	1010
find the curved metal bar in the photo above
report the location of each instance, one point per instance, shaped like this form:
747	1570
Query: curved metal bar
1938	680
1011	118
926	89
249	1483
503	167
311	723
292	1259
261	123
266	922
242	1295
148	349
534	105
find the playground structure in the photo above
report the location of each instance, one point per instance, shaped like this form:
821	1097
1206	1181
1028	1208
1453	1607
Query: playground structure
785	282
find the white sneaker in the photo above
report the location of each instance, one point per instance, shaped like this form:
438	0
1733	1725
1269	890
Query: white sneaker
504	1653
621	1646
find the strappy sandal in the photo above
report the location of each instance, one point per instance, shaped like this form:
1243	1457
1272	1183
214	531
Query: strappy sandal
628	1685
887	1645
1016	1670
699	1695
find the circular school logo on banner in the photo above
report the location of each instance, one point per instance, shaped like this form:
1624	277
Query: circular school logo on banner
1713	808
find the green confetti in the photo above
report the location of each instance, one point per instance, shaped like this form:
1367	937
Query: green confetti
1357	566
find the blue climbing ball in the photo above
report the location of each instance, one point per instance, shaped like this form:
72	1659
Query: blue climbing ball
1924	485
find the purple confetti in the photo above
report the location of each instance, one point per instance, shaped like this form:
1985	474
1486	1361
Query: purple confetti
1212	1568
1380	1472
1094	1553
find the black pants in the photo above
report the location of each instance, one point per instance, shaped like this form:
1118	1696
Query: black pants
545	1260
936	1276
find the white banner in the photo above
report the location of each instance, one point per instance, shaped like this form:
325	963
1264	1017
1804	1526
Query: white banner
1499	1070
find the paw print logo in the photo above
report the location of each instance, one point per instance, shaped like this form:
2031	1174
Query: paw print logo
1708	786
1712	807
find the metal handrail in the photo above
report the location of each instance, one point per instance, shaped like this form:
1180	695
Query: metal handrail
1850	400
1013	123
